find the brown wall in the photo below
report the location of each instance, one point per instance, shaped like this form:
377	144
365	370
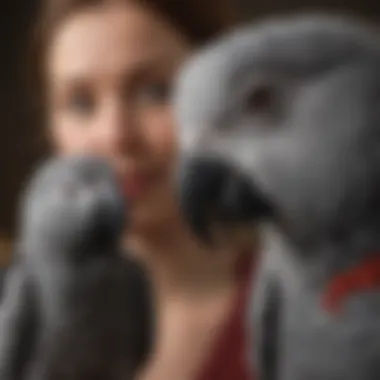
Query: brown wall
16	151
20	133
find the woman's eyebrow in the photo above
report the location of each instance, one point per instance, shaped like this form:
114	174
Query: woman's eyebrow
71	84
138	69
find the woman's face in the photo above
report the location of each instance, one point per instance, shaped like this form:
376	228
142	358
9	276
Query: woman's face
110	71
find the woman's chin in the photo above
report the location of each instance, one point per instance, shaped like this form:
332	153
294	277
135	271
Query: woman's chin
150	213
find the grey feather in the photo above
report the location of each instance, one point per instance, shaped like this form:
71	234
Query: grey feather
292	105
91	304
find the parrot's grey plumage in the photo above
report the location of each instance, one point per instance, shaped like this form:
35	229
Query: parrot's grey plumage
73	307
290	106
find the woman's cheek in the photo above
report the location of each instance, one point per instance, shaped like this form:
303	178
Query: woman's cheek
65	139
73	138
163	146
161	132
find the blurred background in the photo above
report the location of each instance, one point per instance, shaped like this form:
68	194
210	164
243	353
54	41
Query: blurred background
21	143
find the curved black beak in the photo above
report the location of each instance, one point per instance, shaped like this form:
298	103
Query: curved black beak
211	191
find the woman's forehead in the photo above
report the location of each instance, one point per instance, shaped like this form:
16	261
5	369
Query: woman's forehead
113	41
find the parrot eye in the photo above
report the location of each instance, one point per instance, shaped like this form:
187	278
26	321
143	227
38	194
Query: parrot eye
261	98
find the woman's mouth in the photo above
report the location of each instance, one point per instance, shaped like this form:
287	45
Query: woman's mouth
135	185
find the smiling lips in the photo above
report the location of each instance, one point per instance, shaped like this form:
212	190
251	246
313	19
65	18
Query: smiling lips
136	184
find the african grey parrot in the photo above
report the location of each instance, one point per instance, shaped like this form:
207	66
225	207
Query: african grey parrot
73	307
279	124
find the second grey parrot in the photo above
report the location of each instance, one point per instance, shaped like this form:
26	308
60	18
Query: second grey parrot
279	124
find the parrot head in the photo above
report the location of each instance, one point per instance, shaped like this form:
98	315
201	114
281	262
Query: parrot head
280	122
72	203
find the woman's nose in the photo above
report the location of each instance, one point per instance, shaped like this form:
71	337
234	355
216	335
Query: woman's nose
117	130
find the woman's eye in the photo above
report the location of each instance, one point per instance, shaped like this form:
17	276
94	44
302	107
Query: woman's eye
155	94
82	104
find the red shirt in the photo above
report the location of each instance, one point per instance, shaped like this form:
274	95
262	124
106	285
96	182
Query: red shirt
228	359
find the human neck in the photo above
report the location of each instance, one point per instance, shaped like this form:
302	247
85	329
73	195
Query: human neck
178	263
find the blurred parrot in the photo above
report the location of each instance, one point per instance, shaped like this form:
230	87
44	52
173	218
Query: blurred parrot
74	307
279	124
